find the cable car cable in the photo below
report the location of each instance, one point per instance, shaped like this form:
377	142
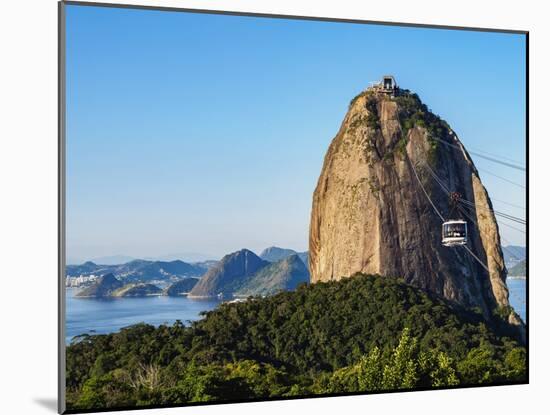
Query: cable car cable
509	292
480	231
498	156
439	181
424	190
502	223
476	258
493	159
496	212
436	178
439	214
446	189
511	227
507	203
500	177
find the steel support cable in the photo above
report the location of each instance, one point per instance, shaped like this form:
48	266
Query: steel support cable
509	251
472	220
508	203
498	156
496	212
437	179
493	159
487	269
501	223
426	193
506	250
446	189
500	177
439	214
512	227
476	258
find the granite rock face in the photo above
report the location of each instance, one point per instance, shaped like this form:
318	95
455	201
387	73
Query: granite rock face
370	213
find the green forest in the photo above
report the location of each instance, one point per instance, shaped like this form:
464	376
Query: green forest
360	334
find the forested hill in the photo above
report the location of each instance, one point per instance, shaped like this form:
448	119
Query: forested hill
358	334
518	270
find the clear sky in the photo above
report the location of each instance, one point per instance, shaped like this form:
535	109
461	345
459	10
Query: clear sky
206	133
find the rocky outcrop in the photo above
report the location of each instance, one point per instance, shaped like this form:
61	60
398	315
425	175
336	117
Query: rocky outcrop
226	277
370	213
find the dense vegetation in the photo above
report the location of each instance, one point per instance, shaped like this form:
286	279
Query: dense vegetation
413	112
363	333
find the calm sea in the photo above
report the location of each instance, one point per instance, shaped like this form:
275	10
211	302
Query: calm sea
100	316
518	297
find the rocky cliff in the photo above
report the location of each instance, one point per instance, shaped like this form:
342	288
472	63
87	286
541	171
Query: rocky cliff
370	213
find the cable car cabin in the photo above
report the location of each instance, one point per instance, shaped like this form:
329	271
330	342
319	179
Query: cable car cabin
454	232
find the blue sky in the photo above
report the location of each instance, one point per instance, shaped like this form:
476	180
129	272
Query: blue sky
206	133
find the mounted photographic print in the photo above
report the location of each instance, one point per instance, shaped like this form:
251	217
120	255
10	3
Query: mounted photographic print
258	207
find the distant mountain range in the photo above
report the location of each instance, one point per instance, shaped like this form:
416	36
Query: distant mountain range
190	257
109	286
274	253
241	273
513	254
112	259
140	270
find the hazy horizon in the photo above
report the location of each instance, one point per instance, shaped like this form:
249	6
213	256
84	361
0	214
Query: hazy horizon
183	256
205	134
